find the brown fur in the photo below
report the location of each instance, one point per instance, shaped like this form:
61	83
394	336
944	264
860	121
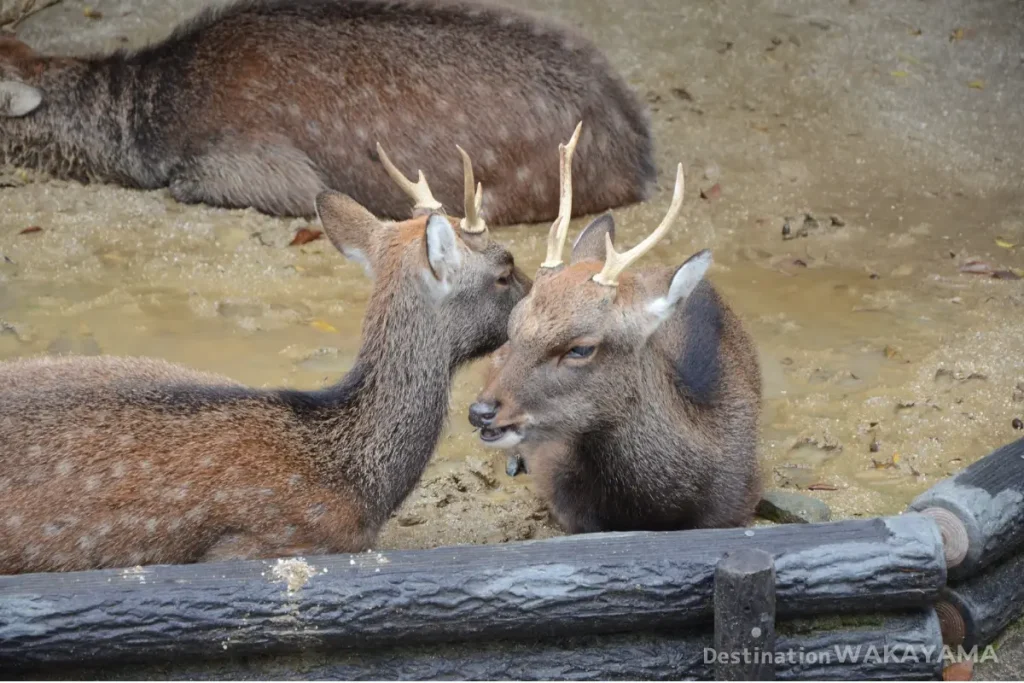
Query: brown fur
113	462
656	429
264	103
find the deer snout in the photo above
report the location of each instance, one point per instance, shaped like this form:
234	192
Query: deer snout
482	413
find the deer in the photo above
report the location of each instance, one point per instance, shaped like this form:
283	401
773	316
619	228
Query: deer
123	461
633	397
265	103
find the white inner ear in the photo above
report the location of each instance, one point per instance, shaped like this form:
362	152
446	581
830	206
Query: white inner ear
357	255
18	99
442	252
683	283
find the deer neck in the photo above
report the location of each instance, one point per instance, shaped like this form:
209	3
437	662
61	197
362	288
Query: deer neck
389	411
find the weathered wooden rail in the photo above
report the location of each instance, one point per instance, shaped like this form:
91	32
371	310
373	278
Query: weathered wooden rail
980	510
864	648
595	606
974	612
570	586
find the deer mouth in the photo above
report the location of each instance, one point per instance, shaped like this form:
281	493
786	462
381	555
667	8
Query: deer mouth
506	436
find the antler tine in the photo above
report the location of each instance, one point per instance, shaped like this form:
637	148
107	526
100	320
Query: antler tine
560	228
473	223
418	191
615	262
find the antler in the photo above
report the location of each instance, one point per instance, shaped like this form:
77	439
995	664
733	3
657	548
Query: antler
418	191
473	223
560	228
615	262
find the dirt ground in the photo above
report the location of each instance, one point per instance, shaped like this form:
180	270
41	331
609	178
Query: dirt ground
888	137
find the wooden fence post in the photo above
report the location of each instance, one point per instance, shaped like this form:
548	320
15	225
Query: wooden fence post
745	616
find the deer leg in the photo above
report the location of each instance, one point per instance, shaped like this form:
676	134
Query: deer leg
276	179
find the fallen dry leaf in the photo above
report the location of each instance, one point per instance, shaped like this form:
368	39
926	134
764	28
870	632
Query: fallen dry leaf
886	464
92	13
31	229
323	326
914	31
305	236
956	34
898	74
713	192
1001	242
822	487
977	85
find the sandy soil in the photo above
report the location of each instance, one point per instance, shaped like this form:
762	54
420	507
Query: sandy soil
889	137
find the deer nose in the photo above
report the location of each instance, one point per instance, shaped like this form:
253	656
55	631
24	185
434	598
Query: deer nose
482	413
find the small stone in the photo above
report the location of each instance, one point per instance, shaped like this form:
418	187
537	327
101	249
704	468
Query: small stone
786	507
837	221
1018	423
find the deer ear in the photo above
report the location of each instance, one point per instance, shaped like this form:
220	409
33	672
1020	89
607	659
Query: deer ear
591	243
442	249
349	226
18	99
684	281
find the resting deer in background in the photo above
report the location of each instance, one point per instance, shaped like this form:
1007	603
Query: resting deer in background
633	397
112	462
265	103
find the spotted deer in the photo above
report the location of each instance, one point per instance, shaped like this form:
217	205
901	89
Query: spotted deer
634	398
113	462
265	103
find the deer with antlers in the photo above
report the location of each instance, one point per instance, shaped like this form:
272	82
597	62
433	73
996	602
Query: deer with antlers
633	397
114	462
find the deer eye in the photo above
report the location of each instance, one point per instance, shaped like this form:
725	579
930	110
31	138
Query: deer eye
505	279
579	352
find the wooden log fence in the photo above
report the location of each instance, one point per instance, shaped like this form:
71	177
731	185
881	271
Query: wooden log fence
980	510
902	646
570	586
974	612
595	606
745	615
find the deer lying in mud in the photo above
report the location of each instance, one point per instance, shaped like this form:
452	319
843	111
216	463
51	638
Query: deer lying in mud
108	462
633	397
265	103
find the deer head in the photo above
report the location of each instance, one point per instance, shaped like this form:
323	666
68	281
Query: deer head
578	344
453	264
18	62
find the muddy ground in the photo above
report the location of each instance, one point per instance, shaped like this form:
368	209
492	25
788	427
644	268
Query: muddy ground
889	137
